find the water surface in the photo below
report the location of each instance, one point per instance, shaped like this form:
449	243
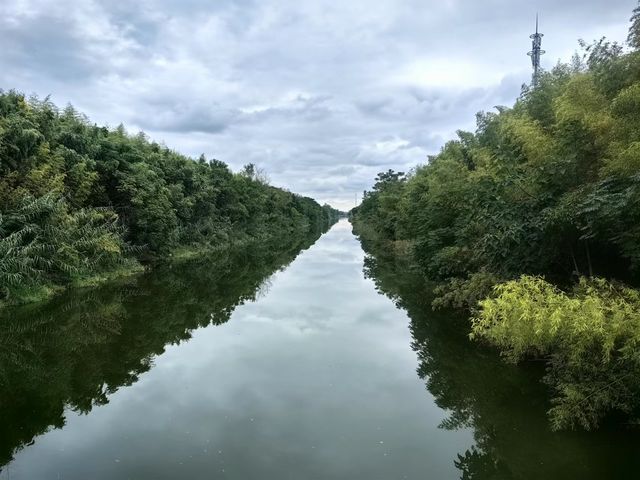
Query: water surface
274	366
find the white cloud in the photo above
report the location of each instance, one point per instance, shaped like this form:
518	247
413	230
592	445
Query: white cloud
443	72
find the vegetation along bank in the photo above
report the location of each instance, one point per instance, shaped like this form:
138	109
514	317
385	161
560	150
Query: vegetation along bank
533	223
80	203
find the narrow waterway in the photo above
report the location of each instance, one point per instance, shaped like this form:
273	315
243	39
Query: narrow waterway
306	373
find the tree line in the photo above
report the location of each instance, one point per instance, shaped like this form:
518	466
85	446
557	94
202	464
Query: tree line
533	223
81	202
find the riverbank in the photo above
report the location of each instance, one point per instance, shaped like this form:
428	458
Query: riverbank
131	267
506	405
587	337
81	203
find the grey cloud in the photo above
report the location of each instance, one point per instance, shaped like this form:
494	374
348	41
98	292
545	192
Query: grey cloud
185	120
48	44
345	170
374	106
170	115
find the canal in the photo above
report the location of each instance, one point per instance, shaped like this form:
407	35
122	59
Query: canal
317	363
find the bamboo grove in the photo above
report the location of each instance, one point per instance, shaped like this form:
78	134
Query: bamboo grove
80	202
533	223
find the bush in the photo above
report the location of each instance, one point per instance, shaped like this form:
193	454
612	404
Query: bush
589	338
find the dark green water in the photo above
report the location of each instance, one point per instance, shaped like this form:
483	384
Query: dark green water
323	364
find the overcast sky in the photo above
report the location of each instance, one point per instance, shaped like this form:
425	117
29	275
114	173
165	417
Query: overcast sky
322	94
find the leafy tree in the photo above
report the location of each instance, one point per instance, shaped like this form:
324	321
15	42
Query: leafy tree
634	32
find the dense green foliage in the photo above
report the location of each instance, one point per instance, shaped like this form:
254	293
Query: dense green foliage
591	336
78	200
549	187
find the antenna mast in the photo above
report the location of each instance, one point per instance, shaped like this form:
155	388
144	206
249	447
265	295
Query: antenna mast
536	52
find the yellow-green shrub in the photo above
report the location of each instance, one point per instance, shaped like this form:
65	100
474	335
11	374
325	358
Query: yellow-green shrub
589	337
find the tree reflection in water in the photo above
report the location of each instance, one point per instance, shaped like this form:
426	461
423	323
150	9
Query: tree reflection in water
504	405
77	350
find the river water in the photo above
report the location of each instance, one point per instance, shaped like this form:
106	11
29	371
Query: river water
287	366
